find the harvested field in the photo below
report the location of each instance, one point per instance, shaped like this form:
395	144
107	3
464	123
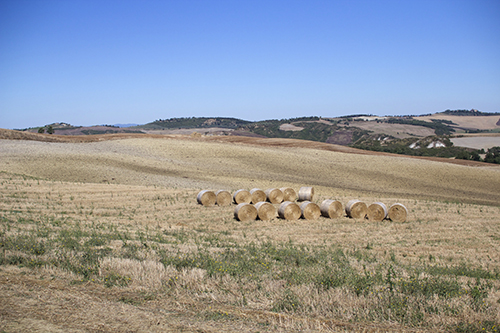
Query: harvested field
471	122
108	236
477	142
399	131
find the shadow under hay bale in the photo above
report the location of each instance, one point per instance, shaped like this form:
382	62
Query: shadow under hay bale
257	195
377	211
306	194
242	196
265	211
245	212
289	194
397	213
289	211
356	209
223	198
331	208
206	198
309	210
274	195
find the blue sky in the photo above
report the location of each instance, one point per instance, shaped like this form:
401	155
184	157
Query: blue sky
105	62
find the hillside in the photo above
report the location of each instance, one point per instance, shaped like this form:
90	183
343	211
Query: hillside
106	235
463	134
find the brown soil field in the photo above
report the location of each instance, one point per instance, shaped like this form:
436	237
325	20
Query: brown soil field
105	235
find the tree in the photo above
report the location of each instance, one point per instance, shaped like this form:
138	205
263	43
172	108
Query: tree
50	130
493	155
41	130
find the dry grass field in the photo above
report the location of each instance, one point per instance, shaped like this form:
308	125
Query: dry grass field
107	236
471	122
477	141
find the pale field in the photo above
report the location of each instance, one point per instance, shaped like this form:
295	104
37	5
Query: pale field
473	122
400	131
477	142
140	195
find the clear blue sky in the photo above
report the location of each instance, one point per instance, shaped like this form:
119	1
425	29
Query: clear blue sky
105	62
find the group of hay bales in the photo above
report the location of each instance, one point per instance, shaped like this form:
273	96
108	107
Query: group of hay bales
377	211
257	203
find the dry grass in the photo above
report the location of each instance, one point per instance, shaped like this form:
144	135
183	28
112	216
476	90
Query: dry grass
473	122
137	253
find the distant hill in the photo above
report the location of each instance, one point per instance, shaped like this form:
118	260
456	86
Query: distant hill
195	122
427	135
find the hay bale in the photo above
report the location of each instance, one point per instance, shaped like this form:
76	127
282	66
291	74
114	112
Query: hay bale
265	211
242	196
206	198
306	194
331	208
356	209
397	213
245	212
258	195
309	210
223	198
274	195
289	194
289	211
377	211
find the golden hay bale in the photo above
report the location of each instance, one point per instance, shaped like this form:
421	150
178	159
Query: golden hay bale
331	208
377	211
274	195
397	213
289	194
265	211
309	210
206	198
223	198
245	212
356	209
242	196
258	195
306	194
289	211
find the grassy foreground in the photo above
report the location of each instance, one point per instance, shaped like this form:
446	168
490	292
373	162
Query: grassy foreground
115	257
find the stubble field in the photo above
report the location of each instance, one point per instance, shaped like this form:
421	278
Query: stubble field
107	236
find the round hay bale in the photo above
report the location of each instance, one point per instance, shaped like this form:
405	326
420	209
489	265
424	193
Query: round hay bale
274	195
265	211
258	195
306	194
289	211
356	209
309	210
289	194
242	196
331	208
245	212
223	198
206	198
377	211
397	213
